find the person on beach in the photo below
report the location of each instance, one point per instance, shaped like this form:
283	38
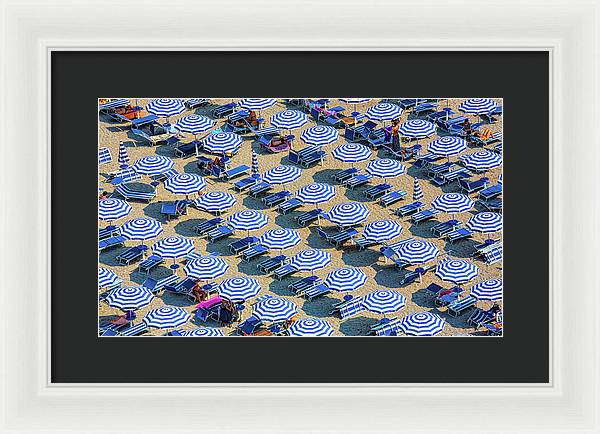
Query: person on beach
104	195
395	135
199	293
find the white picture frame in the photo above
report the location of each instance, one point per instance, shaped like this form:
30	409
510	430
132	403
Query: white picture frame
568	30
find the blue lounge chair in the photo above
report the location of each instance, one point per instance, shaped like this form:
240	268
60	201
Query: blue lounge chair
284	271
108	232
149	263
453	175
123	176
309	216
471	187
271	264
224	110
304	284
411	276
434	289
246	183
254	252
379	138
461	306
458	234
409	209
490	192
359	133
110	242
341	237
443	228
344	175
494	205
218	233
349	307
315	291
243	244
249	326
192	103
155	286
493	255
235	172
185	150
358	180
143	192
426	214
392	198
135	330
289	205
444	298
130	255
390	254
479	317
435	169
260	188
426	160
377	190
362	243
312	158
174	209
275	198
208	225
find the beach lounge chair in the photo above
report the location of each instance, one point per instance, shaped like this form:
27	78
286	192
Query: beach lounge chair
424	215
289	205
315	291
392	197
443	228
235	172
123	176
283	271
304	284
254	252
436	169
377	190
183	287
385	327
493	329
271	264
445	297
390	254
494	205
379	138
208	225
344	175
426	160
110	242
135	330
358	180
341	237
309	216
218	233
224	110
104	156
493	255
264	136
490	192
260	188
461	306
192	103
409	209
130	255
249	326
467	186
275	198
480	316
348	307
237	123
243	244
458	234
312	158
155	286
359	133
453	175
136	190
403	153
107	232
362	243
187	149
149	263
434	289
246	183
174	209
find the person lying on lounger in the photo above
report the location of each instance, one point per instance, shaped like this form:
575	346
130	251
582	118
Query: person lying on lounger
198	293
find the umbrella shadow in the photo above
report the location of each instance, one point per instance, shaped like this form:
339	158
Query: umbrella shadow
324	176
415	172
286	221
423	230
108	257
422	298
153	210
357	195
319	307
249	268
357	326
186	227
192	167
389	276
222	246
178	300
253	203
280	287
165	150
461	248
315	241
360	258
458	322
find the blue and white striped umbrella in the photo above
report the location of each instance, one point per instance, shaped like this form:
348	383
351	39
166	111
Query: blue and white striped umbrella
478	106
204	332
319	135
104	156
384	112
215	201
282	174
205	267
456	270
173	247
485	222
500	179
422	324
488	290
280	239
417	252
481	160
310	327
165	107
348	213
153	165
345	279
453	202
123	155
248	220
257	103
447	146
130	298
143	228
166	317
310	260
113	209
382	230
220	143
384	301
255	170
194	124
115	103
289	119
274	309
355	100
316	193
417	191
185	183
417	128
106	277
386	168
351	153
238	289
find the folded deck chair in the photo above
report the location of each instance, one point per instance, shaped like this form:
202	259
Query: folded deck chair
260	188
129	255
245	183
358	180
135	330
304	284
461	306
174	209
471	187
344	175
276	198
377	190
424	215
392	198
155	286
490	192
289	205
293	158
443	228
315	291
243	244
309	216
458	234
104	156
149	263
208	225
409	209
254	252
284	271
271	264
218	233
235	172
107	243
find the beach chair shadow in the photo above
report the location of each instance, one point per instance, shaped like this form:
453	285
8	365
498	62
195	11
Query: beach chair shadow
357	326
249	268
319	307
109	257
172	299
387	277
422	298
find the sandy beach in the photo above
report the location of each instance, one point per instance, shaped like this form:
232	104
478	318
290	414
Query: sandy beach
380	275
